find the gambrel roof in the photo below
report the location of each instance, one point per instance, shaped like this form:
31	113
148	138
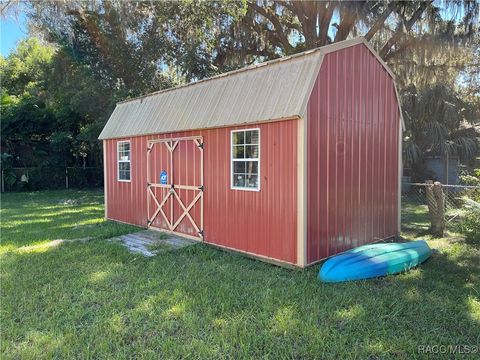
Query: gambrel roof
276	89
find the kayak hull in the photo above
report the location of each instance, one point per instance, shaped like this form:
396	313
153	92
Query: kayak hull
375	260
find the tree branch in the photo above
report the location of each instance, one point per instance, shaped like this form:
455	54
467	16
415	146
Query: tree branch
325	20
400	30
305	18
3	9
268	14
348	18
381	20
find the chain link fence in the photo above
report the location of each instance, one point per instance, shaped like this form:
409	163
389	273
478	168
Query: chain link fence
415	214
50	178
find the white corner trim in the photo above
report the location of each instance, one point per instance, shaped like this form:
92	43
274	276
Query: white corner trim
105	179
400	175
301	192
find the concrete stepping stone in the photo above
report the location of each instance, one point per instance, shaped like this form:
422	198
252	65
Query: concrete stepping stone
149	243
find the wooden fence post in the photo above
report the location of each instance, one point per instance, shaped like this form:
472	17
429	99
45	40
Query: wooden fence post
436	207
66	177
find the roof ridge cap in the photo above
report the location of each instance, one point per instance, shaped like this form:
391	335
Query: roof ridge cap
339	44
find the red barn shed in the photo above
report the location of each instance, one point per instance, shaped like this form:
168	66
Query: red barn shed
292	160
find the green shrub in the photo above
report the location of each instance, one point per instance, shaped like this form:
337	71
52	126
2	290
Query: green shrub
470	222
472	179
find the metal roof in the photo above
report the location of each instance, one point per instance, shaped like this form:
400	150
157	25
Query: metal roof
272	90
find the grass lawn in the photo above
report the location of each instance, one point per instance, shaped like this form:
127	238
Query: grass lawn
95	300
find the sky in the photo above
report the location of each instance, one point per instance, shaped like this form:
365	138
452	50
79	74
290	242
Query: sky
11	31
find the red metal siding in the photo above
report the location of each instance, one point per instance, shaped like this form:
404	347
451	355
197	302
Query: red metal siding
352	163
262	223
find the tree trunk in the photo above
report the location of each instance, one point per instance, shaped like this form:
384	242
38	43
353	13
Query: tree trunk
436	207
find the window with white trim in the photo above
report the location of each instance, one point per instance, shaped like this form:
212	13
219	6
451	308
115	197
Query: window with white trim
123	160
245	164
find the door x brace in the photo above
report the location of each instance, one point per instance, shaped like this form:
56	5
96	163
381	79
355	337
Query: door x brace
171	145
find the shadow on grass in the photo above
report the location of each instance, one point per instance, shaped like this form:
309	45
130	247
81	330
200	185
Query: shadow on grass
96	299
30	218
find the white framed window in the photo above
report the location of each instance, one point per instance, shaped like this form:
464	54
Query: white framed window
123	160
245	159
